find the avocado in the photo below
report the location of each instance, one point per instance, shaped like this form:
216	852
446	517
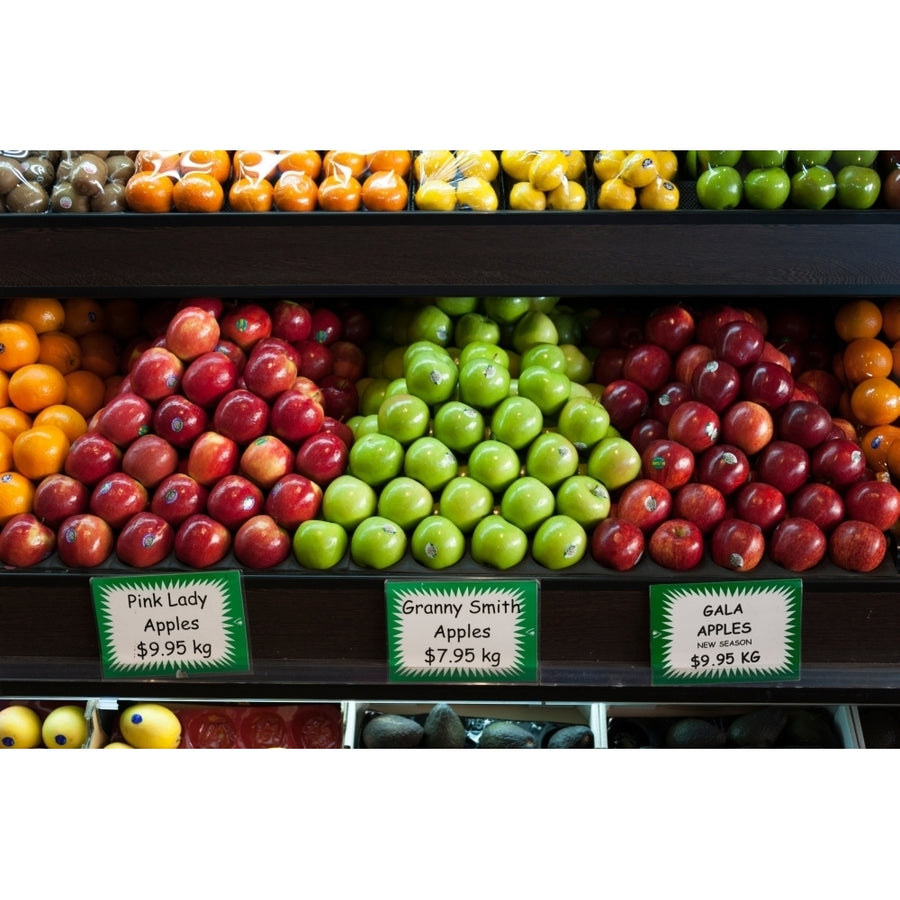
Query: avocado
574	737
694	734
810	728
760	728
392	732
506	735
444	729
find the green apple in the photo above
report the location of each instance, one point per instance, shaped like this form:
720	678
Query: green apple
347	500
465	501
319	544
614	461
482	382
372	395
559	542
437	543
579	367
456	306
543	304
396	386
361	425
432	377
459	425
430	462
689	165
761	159
410	351
527	502
474	326
377	543
584	421
581	390
767	188
485	350
813	187
404	417
841	158
583	498
551	458
803	159
405	501
549	390
506	309
720	187
550	356
498	544
375	458
535	327
495	464
858	187
568	326
430	323
516	421
710	159
392	362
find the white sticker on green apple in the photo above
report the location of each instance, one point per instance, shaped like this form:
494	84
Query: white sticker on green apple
171	625
462	630
725	632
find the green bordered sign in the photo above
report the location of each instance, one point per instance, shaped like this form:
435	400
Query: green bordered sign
171	625
725	632
462	630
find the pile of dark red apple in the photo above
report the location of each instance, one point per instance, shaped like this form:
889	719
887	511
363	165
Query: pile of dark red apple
219	440
744	454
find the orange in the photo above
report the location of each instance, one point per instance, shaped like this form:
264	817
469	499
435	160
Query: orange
876	443
60	350
856	319
895	357
864	357
385	190
157	161
890	319
198	192
340	193
213	162
6	459
40	451
13	421
397	161
83	314
348	162
874	401
295	191
309	162
35	386
41	313
254	164
149	192
4	388
67	418
16	495
251	195
85	391
19	345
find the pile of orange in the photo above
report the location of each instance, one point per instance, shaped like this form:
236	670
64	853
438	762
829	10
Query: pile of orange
868	366
58	360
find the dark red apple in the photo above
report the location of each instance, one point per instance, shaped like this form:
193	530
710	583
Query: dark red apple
803	422
293	499
269	372
321	458
737	544
702	504
145	540
873	501
341	429
824	383
340	398
629	329
601	331
644	502
645	432
668	462
820	503
676	544
208	378
326	325
211	457
193	330
724	466
857	546
626	402
688	359
234	353
179	420
790	322
773	355
201	541
348	359
291	320
748	425
246	324
178	497
316	360
667	399
647	364
890	189
261	543
91	457
739	343
234	499
694	424
796	353
783	464
767	383
716	383
242	416
617	544
713	317
671	326
838	462
309	387
117	498
57	497
84	541
25	541
155	374
125	418
762	504
608	364
213	305
265	460
150	459
356	325
278	344
797	544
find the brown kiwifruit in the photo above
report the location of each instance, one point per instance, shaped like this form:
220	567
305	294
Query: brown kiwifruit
89	174
65	165
100	154
39	169
28	197
110	198
10	174
119	168
64	198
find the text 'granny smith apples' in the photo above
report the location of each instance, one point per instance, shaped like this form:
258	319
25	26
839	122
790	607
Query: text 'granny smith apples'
495	447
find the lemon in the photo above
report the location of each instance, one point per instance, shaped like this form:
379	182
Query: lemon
435	164
117	745
607	163
577	164
516	163
436	194
639	168
616	194
20	728
568	195
523	195
483	163
65	728
659	194
476	193
150	726
666	164
548	169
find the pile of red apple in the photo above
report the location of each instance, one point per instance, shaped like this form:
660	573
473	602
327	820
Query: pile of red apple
224	432
743	453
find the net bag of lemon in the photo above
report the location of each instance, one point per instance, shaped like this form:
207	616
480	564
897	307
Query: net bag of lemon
636	179
448	180
545	179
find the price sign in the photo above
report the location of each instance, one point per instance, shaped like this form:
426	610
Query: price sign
171	625
462	631
725	632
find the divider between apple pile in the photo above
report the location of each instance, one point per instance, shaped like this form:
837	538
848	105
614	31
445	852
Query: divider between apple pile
487	431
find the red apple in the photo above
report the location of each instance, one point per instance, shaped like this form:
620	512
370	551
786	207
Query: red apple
617	544
316	360
717	383
667	399
193	330
246	324
179	420
234	353
234	499
688	359
125	418
767	383
155	374
797	544
857	546
91	456
644	502
145	540
803	422
265	460
783	464
348	360
762	504
178	497
208	378
773	355
57	497
269	372
737	545
608	364
873	501
702	504
748	425
739	343
117	498
293	499
321	458
838	462
694	424
261	543
291	321
713	317
601	331
279	345
341	429
295	415
668	462
307	386
84	541
671	326
201	541
645	432
626	402
213	305
326	325
339	397
647	364
820	503
356	325
724	466
26	541
211	457
790	322
150	459
241	415
676	544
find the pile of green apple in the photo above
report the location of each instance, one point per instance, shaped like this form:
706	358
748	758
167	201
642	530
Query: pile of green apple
479	431
772	179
